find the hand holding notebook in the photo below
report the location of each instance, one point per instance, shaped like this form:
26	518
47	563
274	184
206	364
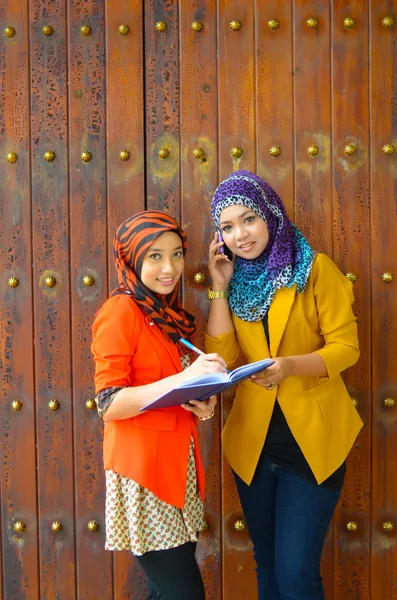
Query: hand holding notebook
204	386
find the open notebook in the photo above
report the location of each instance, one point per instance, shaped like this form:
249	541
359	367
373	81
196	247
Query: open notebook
204	386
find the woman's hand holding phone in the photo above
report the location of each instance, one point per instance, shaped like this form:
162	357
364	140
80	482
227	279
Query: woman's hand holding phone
221	268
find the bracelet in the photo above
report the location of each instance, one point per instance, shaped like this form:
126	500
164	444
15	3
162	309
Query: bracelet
212	295
206	418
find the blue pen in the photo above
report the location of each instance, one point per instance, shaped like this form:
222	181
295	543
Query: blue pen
196	350
189	345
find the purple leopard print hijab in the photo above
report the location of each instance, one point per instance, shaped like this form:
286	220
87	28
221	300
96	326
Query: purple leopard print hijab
287	259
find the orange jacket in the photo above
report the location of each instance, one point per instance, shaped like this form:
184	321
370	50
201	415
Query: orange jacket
152	449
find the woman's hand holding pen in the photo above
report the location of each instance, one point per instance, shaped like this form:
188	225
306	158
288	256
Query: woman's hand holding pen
220	267
206	363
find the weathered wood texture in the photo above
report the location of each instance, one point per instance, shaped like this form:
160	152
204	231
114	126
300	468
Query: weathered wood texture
125	181
162	103
198	176
17	434
236	83
236	131
125	117
274	81
351	233
312	134
383	240
274	97
52	307
88	249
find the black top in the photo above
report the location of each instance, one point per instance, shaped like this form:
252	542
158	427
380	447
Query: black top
281	446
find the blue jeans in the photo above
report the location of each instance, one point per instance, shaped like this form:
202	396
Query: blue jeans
287	517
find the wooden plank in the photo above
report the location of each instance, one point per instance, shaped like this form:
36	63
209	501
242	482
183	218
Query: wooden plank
162	94
198	181
125	117
312	100
313	184
352	253
87	132
383	57
48	60
1	547
126	181
19	551
236	82
274	93
239	578
236	129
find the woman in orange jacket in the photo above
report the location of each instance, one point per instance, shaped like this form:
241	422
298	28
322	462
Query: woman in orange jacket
290	428
154	473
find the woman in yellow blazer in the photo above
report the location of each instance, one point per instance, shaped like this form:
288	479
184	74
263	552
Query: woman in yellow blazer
291	427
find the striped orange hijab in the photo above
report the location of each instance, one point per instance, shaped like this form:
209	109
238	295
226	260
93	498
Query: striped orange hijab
132	240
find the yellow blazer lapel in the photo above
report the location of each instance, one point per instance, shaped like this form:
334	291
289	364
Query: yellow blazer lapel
279	312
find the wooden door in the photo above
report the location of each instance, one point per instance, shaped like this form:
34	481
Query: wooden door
108	107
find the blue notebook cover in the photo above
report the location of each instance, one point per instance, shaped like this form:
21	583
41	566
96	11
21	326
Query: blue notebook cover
204	386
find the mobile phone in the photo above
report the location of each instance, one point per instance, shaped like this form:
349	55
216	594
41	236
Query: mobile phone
224	249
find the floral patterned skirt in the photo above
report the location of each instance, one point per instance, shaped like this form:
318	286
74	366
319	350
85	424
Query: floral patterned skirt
139	521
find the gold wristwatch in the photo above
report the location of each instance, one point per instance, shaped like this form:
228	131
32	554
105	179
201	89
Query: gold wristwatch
212	295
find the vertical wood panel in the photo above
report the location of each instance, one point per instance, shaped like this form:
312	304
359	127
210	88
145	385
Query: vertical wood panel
19	551
49	100
126	182
198	180
313	184
88	258
162	89
384	316
125	116
236	72
239	579
236	110
313	206
275	103
352	253
1	544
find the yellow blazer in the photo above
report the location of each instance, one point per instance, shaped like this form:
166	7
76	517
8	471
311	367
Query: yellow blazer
319	410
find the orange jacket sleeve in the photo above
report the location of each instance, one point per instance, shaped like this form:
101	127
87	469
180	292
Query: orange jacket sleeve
114	342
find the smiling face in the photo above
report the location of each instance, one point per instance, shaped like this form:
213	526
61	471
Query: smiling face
243	231
163	264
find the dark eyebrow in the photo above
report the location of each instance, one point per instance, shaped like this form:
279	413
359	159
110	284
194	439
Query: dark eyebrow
240	216
161	249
